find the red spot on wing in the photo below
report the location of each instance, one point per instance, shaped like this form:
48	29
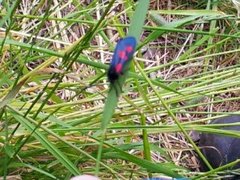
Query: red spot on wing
129	49
118	68
122	55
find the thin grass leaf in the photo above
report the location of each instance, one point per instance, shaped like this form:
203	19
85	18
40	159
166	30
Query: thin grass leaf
46	143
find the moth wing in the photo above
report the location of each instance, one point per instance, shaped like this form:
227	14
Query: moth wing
121	54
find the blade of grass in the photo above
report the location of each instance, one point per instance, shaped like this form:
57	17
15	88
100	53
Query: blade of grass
135	30
153	167
46	143
174	118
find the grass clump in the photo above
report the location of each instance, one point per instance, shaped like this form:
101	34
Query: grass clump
53	65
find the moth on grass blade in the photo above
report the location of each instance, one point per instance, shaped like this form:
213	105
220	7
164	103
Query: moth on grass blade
122	55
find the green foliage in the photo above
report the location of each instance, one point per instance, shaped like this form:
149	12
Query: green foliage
60	117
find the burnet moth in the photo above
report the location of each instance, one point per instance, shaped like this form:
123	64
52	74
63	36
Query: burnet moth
122	54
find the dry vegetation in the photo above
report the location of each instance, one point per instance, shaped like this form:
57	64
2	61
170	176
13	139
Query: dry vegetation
62	98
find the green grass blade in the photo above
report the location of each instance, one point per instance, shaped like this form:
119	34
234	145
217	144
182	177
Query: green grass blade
46	143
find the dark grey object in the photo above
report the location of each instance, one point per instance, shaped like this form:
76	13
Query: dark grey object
218	149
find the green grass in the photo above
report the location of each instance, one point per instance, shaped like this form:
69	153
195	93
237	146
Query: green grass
58	117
